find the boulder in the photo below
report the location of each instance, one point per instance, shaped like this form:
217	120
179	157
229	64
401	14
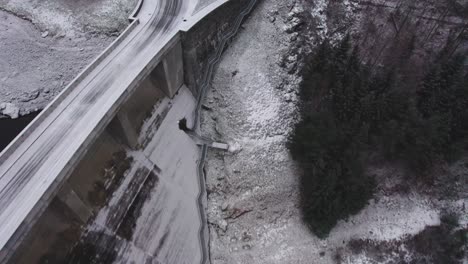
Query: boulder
9	109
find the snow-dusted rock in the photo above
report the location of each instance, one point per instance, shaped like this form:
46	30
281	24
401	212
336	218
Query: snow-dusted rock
10	110
292	58
293	36
297	9
225	206
234	147
288	28
223	225
27	97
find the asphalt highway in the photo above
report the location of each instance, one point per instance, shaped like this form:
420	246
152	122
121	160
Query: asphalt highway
31	169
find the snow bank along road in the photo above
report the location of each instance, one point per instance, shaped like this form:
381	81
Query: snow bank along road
33	166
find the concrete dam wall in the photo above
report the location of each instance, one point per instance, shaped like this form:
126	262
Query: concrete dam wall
207	39
137	195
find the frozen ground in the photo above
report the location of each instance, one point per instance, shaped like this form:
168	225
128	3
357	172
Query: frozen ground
72	17
46	44
253	190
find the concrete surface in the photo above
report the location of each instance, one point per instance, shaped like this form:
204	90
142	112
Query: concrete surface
151	214
63	132
77	117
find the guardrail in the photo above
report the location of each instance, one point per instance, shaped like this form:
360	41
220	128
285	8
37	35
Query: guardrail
136	10
65	92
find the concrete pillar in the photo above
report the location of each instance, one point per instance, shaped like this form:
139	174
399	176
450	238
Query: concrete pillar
73	201
129	132
169	74
121	128
191	69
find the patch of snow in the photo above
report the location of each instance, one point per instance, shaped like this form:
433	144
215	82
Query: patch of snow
10	110
262	103
391	217
234	147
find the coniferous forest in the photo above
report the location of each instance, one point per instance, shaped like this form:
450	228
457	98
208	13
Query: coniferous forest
351	110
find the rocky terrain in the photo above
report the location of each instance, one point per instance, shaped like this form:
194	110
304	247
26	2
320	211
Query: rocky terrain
46	44
253	199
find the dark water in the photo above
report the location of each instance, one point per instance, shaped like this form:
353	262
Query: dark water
10	128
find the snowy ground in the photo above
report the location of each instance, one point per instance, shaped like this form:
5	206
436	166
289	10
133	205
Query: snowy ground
253	190
202	3
46	44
